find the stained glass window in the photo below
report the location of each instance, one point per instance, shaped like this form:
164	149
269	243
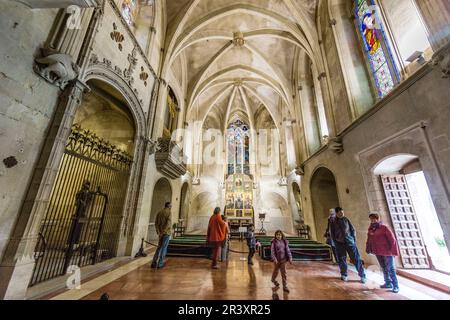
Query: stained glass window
376	47
238	148
129	10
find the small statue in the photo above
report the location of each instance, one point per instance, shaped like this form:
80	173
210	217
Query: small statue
57	68
83	200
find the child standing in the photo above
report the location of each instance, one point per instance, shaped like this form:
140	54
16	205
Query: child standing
226	242
281	254
251	243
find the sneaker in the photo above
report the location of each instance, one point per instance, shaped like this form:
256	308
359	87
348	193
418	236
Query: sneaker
276	283
154	266
286	289
396	290
215	267
386	286
344	278
363	280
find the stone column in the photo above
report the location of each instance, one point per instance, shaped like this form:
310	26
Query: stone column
436	16
291	198
17	265
310	123
132	203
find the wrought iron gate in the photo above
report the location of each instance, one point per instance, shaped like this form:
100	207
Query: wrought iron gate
82	226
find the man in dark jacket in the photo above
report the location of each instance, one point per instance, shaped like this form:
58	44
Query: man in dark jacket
163	224
327	234
251	243
342	233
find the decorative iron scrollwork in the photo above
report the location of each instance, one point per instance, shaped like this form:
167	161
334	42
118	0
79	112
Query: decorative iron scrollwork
86	143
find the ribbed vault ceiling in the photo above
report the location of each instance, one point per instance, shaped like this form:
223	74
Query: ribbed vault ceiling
232	58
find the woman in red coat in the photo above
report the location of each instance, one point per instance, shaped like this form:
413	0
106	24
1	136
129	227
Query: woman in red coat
216	235
382	243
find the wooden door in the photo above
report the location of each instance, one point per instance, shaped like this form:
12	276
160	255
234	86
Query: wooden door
404	219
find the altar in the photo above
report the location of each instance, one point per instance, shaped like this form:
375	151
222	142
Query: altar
239	203
238	179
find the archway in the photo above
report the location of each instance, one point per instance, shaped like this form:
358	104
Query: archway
411	210
202	208
324	197
184	203
82	226
162	193
278	213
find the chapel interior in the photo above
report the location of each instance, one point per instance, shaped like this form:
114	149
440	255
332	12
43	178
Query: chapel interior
274	111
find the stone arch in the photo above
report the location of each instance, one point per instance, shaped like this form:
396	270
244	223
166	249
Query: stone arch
107	75
184	202
278	212
412	142
324	196
201	209
39	195
116	81
162	193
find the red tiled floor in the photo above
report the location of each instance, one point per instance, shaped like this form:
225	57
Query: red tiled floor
192	279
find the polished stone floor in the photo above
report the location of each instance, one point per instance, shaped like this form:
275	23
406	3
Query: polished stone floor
192	279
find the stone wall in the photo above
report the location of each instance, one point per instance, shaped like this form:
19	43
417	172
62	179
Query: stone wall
27	104
29	107
341	109
393	126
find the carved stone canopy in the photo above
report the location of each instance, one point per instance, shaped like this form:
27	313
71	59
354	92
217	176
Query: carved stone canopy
35	4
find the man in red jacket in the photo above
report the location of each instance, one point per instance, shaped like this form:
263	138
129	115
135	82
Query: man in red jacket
382	243
216	235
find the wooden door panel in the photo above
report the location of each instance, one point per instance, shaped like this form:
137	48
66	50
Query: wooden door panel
406	227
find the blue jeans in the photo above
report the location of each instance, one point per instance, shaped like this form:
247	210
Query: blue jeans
333	248
251	253
341	250
387	264
160	254
224	252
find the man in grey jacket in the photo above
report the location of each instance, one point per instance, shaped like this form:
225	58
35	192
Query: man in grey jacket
342	233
